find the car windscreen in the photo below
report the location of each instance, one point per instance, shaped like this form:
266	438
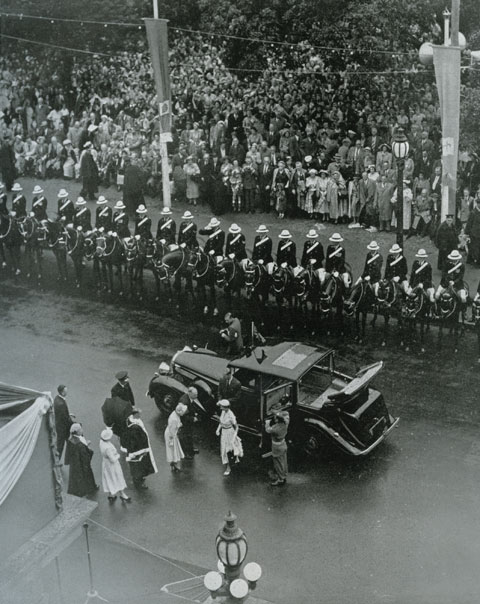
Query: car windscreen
314	384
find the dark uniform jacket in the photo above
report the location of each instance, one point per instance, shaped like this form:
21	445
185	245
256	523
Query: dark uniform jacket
66	209
104	218
396	266
335	260
262	249
63	421
229	388
236	245
215	241
187	234
373	266
19	206
421	273
3	204
120	224
453	270
83	218
39	207
313	249
167	229
124	392
143	227
287	252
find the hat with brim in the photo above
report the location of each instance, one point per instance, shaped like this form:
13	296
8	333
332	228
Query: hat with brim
62	193
141	209
312	234
324	172
285	234
92	128
36	190
16	187
164	367
312	171
121	375
67	141
308	158
120	205
166	212
75	428
187	215
224	403
106	434
214	222
336	238
421	253
234	229
101	200
454	255
373	245
87	145
395	249
262	229
80	201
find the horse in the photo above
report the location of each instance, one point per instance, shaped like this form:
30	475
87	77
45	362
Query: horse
75	249
331	300
91	254
109	254
360	301
57	242
135	258
448	310
229	276
388	299
306	287
203	267
416	309
257	284
282	289
11	241
34	236
156	250
176	264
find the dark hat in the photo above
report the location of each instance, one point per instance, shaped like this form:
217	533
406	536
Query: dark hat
449	216
121	375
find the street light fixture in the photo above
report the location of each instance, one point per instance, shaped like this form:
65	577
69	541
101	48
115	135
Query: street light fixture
231	545
400	148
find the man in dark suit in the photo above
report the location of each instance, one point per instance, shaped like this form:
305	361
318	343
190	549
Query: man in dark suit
265	175
188	399
63	418
122	388
229	388
236	151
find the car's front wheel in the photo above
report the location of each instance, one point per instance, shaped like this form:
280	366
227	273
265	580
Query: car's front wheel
166	400
311	443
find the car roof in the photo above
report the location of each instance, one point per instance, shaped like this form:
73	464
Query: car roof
288	360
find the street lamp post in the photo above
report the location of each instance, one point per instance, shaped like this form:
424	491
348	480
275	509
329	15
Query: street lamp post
400	149
231	545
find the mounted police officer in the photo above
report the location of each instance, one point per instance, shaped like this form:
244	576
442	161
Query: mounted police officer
372	271
286	250
396	268
66	208
82	216
103	215
143	224
236	243
187	231
120	220
39	203
3	201
262	246
335	260
19	203
312	251
453	273
166	227
216	238
421	275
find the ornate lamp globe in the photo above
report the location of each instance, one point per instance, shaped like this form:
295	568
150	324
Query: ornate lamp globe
231	545
400	144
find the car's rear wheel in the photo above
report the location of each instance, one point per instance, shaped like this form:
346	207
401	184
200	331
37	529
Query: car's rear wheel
311	443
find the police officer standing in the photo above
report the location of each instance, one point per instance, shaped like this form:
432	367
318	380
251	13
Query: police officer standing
421	275
19	203
216	238
103	215
120	220
236	243
335	260
453	273
262	246
372	271
166	227
66	208
39	203
286	250
312	251
82	216
187	231
396	268
143	224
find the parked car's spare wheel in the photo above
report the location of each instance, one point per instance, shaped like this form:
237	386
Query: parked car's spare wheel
166	400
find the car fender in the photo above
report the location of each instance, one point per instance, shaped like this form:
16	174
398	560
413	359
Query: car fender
203	386
171	383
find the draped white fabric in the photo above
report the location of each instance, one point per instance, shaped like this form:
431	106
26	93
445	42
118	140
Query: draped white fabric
18	436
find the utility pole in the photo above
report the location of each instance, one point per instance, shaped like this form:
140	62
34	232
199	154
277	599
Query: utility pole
455	21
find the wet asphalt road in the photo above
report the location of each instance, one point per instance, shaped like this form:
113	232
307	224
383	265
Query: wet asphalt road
401	526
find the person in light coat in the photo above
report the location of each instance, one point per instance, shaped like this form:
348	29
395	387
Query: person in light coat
172	443
228	432
113	481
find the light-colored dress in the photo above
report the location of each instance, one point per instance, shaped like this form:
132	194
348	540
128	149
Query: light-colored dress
192	171
229	440
172	443
113	480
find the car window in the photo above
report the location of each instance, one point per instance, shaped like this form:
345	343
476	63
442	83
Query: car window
313	384
279	398
246	378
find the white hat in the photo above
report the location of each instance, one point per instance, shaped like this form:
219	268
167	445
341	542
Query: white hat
37	189
187	215
101	200
234	229
308	158
166	211
67	141
336	238
285	234
164	367
454	255
312	171
373	245
312	234
106	434
214	222
395	249
421	253
223	403
17	187
92	128
87	145
141	209
62	193
120	205
262	229
80	201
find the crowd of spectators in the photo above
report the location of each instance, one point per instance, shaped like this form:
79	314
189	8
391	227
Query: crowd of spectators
300	138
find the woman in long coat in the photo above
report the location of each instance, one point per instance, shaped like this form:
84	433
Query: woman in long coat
228	432
140	456
78	456
113	481
172	443
192	172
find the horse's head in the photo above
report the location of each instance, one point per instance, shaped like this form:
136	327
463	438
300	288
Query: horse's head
385	293
413	303
280	278
221	270
446	303
354	298
131	249
300	278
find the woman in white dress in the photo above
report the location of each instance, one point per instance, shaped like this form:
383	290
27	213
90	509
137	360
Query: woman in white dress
113	481
228	432
172	443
